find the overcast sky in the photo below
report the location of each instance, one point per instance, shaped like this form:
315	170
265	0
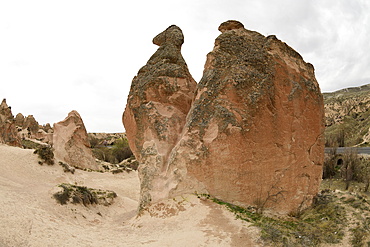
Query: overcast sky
58	56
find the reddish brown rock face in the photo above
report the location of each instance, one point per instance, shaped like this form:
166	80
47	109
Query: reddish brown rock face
160	98
8	130
70	142
254	135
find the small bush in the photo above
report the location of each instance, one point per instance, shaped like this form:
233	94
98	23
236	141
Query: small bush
330	164
93	141
63	196
46	154
83	195
67	168
114	154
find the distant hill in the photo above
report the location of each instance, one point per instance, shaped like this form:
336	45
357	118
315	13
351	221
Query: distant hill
347	117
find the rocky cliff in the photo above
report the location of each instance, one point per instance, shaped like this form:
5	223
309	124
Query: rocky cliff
8	130
347	117
253	134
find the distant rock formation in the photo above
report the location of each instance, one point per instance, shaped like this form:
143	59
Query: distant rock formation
347	117
31	125
70	142
47	128
253	134
19	120
8	130
29	128
160	98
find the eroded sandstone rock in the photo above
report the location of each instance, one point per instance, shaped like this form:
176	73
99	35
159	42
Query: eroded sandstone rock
31	125
70	142
254	134
19	120
8	130
160	98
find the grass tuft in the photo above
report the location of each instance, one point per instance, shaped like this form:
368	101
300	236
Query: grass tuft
322	223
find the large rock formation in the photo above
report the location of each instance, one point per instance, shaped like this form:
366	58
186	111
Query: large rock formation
70	142
253	135
8	130
160	98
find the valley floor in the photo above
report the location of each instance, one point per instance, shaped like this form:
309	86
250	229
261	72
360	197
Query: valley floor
30	216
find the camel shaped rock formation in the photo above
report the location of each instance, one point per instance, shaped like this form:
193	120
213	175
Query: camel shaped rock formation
250	133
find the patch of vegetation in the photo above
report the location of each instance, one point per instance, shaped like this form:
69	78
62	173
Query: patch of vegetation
28	144
63	196
83	195
322	223
118	170
349	166
361	233
46	155
94	142
67	168
114	154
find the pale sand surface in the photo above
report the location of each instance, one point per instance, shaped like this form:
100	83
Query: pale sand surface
30	216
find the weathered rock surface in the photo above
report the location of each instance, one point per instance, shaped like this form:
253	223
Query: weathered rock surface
253	135
31	125
29	128
47	128
19	120
160	98
70	142
347	116
8	130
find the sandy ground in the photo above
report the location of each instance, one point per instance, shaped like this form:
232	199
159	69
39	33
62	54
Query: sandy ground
30	216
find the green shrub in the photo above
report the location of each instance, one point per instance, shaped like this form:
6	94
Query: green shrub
330	164
114	154
83	195
63	196
93	141
46	154
359	234
67	168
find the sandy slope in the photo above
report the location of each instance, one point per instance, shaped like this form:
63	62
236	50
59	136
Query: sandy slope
31	217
